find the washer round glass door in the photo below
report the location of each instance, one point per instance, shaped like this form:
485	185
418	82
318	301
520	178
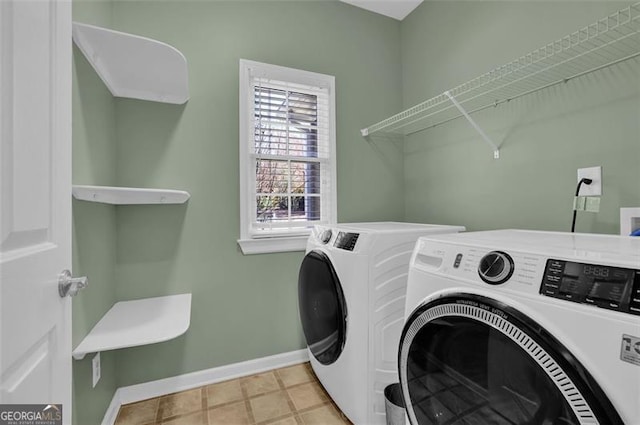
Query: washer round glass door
466	359
323	311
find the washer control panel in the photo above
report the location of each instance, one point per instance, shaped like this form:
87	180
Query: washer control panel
346	240
613	288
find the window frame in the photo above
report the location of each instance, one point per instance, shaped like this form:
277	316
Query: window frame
285	240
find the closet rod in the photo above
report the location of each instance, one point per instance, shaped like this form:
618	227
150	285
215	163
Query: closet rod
500	102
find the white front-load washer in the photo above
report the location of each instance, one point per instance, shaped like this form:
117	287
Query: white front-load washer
522	327
352	285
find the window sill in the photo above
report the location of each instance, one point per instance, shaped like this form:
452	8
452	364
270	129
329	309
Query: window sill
271	245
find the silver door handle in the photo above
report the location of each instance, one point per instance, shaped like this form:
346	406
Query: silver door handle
69	286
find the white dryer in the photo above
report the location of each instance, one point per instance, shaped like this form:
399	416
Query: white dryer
352	286
521	327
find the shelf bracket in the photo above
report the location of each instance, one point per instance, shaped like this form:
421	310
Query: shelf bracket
496	150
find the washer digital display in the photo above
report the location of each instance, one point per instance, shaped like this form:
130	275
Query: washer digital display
613	288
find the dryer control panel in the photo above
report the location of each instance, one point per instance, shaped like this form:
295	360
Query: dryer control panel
613	288
346	240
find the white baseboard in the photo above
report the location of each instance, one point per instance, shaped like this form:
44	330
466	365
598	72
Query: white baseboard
144	391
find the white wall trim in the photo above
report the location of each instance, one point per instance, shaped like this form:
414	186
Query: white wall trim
270	245
200	378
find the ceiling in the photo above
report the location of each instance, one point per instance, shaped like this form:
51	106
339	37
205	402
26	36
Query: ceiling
397	9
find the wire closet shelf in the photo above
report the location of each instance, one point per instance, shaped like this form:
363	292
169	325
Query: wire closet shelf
606	42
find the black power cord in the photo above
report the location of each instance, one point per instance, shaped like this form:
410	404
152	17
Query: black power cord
580	183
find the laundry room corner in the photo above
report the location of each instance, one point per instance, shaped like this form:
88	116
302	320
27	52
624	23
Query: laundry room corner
243	306
94	224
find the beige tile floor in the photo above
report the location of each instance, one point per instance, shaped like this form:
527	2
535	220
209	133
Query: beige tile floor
287	396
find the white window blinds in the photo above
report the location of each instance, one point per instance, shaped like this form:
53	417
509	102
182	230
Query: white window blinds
290	154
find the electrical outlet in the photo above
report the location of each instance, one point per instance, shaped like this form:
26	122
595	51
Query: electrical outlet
592	204
595	174
95	363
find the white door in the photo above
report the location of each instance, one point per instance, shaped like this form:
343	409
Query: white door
35	202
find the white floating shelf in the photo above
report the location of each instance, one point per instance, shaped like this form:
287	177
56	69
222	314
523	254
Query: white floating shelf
133	66
139	322
606	42
129	195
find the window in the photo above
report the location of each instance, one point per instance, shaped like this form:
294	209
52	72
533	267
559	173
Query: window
287	156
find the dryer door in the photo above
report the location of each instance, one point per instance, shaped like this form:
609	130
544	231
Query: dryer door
467	359
322	306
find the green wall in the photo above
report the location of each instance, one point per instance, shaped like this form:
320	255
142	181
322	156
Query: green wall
450	173
94	225
244	307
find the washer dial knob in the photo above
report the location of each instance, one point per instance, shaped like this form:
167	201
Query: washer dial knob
496	267
325	236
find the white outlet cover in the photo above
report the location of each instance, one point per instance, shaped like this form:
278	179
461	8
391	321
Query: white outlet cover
95	367
595	174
